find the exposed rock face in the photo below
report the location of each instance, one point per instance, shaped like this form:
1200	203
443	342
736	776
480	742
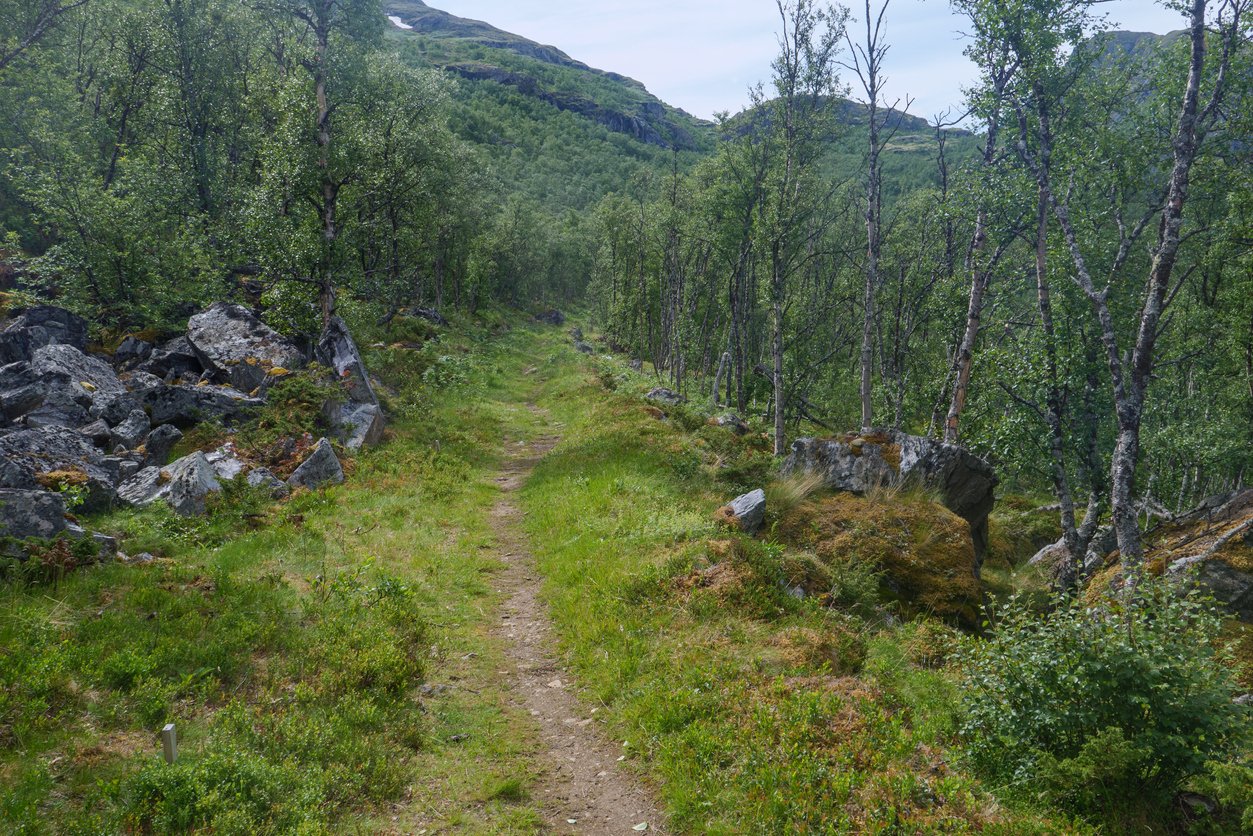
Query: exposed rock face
664	395
185	404
860	463
554	317
131	432
183	485
1212	546
239	348
175	359
160	442
26	514
320	468
45	325
747	512
583	348
337	350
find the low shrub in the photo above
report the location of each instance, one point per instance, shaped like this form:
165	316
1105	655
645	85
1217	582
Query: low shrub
1095	708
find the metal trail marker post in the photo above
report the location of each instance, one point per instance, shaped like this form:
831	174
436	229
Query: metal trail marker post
169	741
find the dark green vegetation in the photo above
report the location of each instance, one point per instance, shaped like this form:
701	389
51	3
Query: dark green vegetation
1068	290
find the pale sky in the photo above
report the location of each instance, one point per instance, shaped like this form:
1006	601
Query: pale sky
702	55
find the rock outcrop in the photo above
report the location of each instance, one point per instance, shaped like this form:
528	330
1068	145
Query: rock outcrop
239	348
1213	546
359	421
104	427
860	463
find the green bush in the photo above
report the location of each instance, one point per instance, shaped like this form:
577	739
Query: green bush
1096	708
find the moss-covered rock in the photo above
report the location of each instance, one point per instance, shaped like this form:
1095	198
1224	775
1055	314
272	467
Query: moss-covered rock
922	550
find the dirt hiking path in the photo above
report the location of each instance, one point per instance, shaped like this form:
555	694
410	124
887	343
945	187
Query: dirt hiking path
583	789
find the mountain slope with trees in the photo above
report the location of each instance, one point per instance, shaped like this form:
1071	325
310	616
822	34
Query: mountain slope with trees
864	471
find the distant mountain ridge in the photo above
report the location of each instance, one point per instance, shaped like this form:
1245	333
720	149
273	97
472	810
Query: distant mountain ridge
633	111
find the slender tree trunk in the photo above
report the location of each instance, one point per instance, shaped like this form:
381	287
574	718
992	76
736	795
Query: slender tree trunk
776	353
873	192
964	360
330	188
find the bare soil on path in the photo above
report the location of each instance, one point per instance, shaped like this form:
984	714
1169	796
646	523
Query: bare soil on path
584	788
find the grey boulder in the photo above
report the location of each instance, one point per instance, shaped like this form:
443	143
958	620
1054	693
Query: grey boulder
226	462
185	405
319	468
16	475
663	395
49	325
131	351
732	422
230	341
132	432
184	485
48	449
160	442
359	424
747	511
91	373
1230	586
337	351
26	514
175	359
263	478
98	431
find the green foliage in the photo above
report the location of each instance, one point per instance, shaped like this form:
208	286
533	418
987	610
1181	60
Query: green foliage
1095	709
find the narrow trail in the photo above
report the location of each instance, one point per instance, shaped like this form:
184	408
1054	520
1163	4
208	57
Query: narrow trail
583	789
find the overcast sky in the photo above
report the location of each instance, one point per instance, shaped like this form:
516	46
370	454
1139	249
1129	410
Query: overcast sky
702	55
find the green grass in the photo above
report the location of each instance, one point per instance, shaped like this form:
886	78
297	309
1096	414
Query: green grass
330	664
290	644
751	710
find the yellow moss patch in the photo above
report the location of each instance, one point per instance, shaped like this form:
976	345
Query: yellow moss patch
923	549
56	480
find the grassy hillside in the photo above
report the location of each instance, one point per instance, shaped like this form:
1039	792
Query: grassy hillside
566	134
553	128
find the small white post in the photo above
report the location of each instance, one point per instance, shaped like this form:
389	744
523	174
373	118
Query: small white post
169	740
